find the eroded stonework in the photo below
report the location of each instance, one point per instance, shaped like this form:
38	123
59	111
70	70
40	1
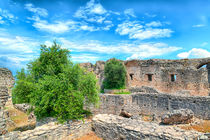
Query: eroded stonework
6	83
112	127
185	76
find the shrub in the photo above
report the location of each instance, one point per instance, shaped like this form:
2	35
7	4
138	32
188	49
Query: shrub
115	75
60	88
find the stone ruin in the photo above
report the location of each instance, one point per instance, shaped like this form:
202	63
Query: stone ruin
157	86
6	83
185	76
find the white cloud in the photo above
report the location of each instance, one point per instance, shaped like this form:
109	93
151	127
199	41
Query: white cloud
198	25
135	50
152	49
151	33
17	44
129	12
91	11
84	58
94	13
150	15
5	15
36	10
195	53
204	44
154	24
137	31
57	27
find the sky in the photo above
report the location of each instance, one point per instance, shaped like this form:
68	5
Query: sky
102	29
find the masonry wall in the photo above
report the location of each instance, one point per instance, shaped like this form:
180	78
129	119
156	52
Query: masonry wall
190	77
6	83
153	103
168	76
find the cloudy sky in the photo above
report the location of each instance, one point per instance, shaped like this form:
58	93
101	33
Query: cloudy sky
102	29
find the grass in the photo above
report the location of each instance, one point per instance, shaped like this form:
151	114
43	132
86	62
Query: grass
122	92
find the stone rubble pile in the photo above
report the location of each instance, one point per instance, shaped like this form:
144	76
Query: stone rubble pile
181	116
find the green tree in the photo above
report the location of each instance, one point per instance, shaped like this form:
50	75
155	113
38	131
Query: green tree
60	88
23	88
115	74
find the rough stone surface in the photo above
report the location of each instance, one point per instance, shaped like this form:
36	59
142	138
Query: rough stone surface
6	83
22	107
112	127
51	130
153	103
188	74
181	116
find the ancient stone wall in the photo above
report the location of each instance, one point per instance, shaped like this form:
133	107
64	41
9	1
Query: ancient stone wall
111	127
168	76
6	78
52	131
98	69
6	83
153	103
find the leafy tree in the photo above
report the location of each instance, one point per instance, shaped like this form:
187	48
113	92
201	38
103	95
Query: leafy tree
60	88
24	86
115	75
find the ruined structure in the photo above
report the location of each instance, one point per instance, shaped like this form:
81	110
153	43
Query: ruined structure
6	82
185	76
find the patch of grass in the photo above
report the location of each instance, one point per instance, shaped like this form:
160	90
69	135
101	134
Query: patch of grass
123	92
20	120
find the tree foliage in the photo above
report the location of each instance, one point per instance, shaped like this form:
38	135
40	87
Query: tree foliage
115	75
55	86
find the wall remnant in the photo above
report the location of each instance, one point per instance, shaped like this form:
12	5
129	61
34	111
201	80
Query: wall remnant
6	83
112	127
169	76
52	131
153	103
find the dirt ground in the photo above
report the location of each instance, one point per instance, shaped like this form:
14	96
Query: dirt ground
201	126
90	136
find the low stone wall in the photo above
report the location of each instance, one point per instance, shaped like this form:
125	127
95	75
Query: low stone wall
52	131
153	103
112	127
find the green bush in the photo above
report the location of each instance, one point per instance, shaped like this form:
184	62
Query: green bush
55	86
115	75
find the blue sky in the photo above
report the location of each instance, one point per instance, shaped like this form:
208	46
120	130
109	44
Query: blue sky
102	29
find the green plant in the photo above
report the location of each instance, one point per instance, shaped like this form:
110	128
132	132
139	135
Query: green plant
55	86
115	75
123	92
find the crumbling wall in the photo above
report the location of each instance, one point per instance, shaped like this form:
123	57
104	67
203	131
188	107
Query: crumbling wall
185	76
153	103
52	131
98	69
3	99
169	76
6	83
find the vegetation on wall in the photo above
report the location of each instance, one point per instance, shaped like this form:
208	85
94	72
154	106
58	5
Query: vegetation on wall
115	75
55	86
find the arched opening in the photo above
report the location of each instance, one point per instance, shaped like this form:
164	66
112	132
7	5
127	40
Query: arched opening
207	65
